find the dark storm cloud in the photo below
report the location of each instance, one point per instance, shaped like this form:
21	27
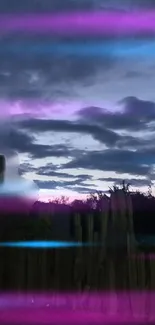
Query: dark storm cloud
79	188
25	143
108	160
52	70
50	170
61	184
112	160
145	3
83	189
128	4
57	5
136	115
26	168
54	75
102	125
15	6
17	140
37	126
139	108
47	170
132	181
51	185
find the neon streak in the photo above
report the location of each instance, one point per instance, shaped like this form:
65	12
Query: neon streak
44	244
91	49
90	23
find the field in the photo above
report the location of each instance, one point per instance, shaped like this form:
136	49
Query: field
121	262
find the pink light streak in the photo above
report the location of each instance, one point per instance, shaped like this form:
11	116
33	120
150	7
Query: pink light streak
19	108
87	308
37	108
91	23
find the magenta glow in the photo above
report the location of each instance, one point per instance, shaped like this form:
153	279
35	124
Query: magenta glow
76	308
80	23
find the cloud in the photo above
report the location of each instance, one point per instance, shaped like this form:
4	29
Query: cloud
76	183
35	77
46	78
136	182
26	168
135	115
37	126
145	3
46	5
51	171
24	142
56	5
112	160
124	153
55	78
112	128
35	82
48	171
83	189
73	185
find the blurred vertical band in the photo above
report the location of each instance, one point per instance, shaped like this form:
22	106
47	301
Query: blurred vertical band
2	168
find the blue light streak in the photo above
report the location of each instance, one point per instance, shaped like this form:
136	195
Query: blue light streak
122	48
44	244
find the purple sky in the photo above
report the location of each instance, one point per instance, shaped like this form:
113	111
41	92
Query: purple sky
81	123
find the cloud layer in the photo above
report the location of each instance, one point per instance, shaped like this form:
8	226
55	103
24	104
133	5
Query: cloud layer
123	152
78	124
